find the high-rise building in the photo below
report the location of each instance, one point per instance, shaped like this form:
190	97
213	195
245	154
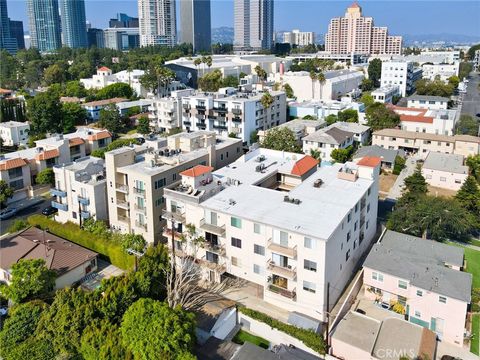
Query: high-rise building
95	38
355	33
74	23
196	24
16	31
123	21
253	28
121	38
299	38
7	41
157	21
44	24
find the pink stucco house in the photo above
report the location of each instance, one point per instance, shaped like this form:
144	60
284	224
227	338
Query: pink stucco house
425	277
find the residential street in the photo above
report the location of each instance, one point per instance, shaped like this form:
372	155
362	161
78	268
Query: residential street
29	207
471	100
396	190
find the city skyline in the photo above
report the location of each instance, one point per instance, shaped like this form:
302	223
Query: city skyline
403	18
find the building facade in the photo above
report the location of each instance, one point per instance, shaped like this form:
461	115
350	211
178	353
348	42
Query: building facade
14	133
253	25
385	94
123	21
157	21
289	244
44	25
400	73
74	23
446	171
165	113
121	38
440	122
7	40
355	33
16	31
80	191
195	24
299	38
95	38
440	71
427	102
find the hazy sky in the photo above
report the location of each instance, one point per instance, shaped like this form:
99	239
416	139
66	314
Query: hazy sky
402	17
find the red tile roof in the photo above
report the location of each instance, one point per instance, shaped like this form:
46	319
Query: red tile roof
5	91
13	163
75	141
370	161
196	171
100	135
48	154
104	68
304	165
354	5
417	118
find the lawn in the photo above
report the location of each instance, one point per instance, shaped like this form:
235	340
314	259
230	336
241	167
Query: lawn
243	336
475	343
473	265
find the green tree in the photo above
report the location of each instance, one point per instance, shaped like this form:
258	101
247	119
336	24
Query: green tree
111	119
33	349
469	197
267	101
152	265
380	117
170	332
434	88
19	326
288	91
415	184
467	125
54	74
133	241
262	74
117	90
6	192
253	137
102	340
30	279
46	177
367	85
471	51
281	139
45	113
8	70
73	114
349	115
399	165
18	225
211	82
157	78
230	81
143	125
473	163
367	99
331	119
375	71
454	81
76	89
464	69
342	155
315	153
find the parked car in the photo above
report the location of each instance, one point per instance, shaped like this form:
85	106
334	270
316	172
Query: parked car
49	210
7	213
141	140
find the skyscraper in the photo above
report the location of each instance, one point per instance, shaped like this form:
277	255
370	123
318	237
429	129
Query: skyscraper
123	21
196	24
74	23
157	20
16	31
44	21
253	24
355	33
7	42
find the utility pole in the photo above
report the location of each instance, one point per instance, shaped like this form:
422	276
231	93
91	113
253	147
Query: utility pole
328	317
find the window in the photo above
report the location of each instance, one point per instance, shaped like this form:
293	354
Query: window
419	293
309	286
309	243
369	191
158	183
355	226
16	184
257	228
377	276
443	179
258	249
257	269
418	314
348	236
236	242
349	217
309	265
15	172
402	284
347	255
212	257
368	208
356	207
236	222
442	299
236	261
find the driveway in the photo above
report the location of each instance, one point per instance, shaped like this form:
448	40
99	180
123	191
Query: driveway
28	207
397	188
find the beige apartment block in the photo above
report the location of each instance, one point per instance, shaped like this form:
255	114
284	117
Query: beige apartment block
136	177
277	220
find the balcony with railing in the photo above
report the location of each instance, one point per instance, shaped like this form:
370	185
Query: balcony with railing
291	252
121	187
186	106
140	208
167	232
222	109
85	214
237	120
220	126
201	125
123	204
219	267
286	271
124	219
215	248
211	228
176	216
59	206
236	111
289	294
58	192
141	225
139	191
83	200
201	107
187	123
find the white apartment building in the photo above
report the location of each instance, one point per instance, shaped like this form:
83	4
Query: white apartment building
105	77
299	127
241	113
80	190
440	71
337	84
445	171
136	177
14	133
427	102
427	121
165	113
339	135
299	38
386	94
449	56
401	73
321	109
352	58
290	244
157	22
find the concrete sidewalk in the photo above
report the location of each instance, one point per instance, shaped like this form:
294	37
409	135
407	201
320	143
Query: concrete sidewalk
397	188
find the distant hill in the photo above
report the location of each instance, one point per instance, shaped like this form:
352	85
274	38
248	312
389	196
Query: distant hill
222	35
446	38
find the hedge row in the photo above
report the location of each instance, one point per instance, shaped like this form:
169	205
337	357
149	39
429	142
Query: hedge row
311	339
108	249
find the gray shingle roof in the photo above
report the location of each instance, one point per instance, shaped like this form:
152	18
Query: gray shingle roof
387	155
422	263
428	98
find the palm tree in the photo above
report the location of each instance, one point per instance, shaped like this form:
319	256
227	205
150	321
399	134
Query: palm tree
266	101
197	62
315	153
262	74
321	79
313	77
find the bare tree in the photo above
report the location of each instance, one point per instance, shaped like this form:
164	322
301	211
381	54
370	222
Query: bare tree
186	287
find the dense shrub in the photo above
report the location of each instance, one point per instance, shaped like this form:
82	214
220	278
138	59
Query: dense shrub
114	145
399	165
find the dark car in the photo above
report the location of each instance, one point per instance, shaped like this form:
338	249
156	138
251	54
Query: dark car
7	213
478	114
141	140
50	210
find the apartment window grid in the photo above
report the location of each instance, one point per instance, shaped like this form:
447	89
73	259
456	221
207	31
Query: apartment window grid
259	249
402	284
236	261
310	265
236	242
309	286
442	299
377	276
236	222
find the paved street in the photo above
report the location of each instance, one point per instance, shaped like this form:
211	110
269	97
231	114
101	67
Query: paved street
396	190
471	100
25	213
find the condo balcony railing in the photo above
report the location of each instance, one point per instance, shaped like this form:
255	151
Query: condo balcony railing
123	204
140	208
58	192
216	248
285	271
167	232
289	294
281	249
220	109
124	219
211	228
83	200
122	187
237	120
59	206
176	216
141	225
236	111
201	107
219	267
139	191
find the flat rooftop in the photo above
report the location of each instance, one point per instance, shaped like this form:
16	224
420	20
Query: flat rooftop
445	162
357	330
